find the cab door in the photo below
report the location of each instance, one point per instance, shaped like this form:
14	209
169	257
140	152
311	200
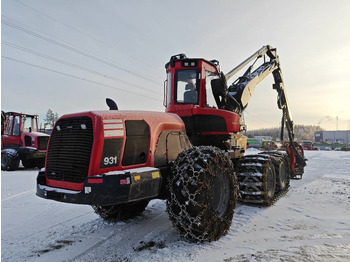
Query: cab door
11	137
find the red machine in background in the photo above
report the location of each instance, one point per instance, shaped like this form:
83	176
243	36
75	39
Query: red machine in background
21	141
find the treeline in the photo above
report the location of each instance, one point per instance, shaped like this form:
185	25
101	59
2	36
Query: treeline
302	132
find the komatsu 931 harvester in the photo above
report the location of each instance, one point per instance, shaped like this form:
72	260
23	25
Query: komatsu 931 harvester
192	155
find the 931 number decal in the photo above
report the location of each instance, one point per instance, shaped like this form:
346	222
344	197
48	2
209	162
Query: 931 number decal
112	160
111	152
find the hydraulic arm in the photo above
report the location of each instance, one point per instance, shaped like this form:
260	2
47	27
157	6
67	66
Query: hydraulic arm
236	97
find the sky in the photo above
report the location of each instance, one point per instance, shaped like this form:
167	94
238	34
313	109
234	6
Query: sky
69	55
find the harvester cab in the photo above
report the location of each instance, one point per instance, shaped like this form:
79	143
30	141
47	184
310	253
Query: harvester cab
192	92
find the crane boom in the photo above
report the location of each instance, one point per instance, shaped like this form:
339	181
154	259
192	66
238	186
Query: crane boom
243	88
259	53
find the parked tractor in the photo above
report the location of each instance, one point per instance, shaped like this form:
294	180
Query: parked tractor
21	141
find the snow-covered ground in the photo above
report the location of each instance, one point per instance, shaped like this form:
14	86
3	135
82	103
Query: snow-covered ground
310	223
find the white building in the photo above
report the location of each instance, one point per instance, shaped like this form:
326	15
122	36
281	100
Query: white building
333	137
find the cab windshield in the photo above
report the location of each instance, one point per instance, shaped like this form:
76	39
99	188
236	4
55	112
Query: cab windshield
187	86
29	124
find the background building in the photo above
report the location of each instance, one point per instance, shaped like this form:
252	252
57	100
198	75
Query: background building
333	137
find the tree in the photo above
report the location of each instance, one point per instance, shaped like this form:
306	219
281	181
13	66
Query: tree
51	118
302	132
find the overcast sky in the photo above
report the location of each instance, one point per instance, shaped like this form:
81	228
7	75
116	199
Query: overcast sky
69	55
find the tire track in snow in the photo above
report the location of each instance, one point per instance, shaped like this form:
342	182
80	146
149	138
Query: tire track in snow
153	225
18	195
115	240
243	215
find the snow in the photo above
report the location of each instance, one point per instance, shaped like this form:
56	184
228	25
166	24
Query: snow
58	190
310	223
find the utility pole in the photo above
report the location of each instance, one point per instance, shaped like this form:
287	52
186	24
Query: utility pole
337	123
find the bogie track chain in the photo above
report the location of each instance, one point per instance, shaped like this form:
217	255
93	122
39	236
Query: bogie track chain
263	178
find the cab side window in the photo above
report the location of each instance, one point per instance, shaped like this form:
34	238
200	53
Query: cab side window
16	126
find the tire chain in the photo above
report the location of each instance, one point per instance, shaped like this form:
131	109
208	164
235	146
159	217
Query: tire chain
252	177
194	161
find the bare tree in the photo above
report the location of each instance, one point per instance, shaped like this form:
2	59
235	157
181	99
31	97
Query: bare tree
51	118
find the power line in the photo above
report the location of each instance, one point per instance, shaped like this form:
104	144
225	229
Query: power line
81	32
72	65
73	49
77	77
257	119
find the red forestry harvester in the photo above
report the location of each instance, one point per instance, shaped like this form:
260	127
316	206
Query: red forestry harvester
192	155
21	141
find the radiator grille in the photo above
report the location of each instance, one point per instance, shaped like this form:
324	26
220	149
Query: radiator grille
69	151
42	142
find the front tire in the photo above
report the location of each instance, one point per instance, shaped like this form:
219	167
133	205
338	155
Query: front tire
40	163
9	159
203	194
121	212
28	163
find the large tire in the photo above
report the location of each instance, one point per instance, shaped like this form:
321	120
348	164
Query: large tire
257	179
282	174
28	163
121	212
40	163
9	159
270	183
32	163
203	194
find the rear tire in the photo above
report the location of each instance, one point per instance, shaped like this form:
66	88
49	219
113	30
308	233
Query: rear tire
203	194
121	212
9	159
270	187
282	175
257	179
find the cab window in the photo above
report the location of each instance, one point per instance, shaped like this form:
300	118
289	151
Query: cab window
16	126
28	124
187	86
8	130
168	97
209	76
